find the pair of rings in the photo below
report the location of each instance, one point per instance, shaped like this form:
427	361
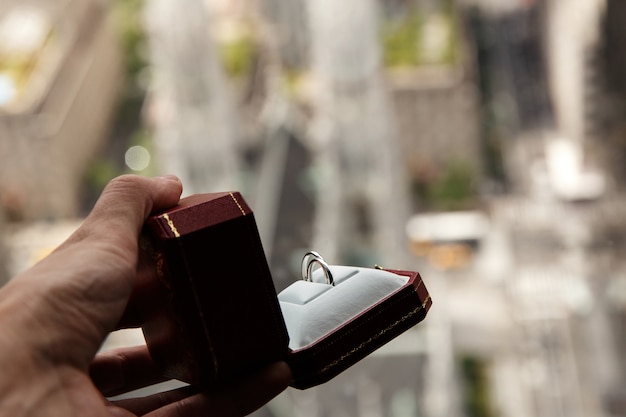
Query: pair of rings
310	259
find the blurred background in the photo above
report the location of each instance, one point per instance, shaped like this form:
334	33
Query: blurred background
481	142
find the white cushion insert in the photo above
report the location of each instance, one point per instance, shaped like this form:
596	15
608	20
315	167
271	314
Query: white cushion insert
313	309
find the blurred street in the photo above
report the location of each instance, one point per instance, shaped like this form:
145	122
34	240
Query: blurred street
479	142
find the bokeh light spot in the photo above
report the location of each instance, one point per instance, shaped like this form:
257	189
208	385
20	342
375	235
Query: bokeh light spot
137	158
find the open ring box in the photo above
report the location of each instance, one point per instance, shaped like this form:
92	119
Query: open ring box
215	315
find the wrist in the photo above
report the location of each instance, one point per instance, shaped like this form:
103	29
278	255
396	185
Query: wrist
42	326
23	338
31	392
26	379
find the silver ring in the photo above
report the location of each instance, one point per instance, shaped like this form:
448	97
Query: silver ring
307	266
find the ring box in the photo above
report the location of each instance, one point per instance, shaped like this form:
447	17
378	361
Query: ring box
214	314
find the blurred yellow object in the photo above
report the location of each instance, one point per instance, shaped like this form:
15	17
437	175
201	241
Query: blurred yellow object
450	256
420	248
24	34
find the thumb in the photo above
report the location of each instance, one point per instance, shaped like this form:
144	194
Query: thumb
124	205
127	201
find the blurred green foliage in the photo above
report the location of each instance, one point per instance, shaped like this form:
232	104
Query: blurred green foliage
476	393
100	172
127	129
291	81
237	56
403	37
128	18
453	187
401	41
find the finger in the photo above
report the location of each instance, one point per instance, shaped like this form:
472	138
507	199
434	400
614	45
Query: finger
122	370
237	400
115	411
147	299
142	406
146	269
131	198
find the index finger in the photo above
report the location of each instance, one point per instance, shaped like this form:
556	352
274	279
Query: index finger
239	399
122	370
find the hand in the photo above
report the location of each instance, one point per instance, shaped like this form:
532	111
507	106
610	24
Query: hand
54	317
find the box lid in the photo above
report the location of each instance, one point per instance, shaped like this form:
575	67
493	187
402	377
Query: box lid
219	316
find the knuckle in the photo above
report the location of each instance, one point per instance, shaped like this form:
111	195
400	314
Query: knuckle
125	181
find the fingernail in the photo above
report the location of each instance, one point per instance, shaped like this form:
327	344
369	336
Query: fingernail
169	177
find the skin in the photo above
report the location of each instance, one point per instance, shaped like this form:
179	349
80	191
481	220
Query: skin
54	317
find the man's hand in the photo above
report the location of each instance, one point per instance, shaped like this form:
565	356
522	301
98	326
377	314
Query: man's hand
55	316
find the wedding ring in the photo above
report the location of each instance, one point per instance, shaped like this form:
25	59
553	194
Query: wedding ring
308	261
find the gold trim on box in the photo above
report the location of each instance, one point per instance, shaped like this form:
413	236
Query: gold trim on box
238	205
170	223
375	337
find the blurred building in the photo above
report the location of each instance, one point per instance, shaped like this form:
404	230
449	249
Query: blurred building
194	115
572	43
291	30
431	74
434	92
357	151
59	78
544	94
515	102
614	59
437	119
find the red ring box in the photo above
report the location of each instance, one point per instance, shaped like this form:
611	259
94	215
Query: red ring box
215	316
